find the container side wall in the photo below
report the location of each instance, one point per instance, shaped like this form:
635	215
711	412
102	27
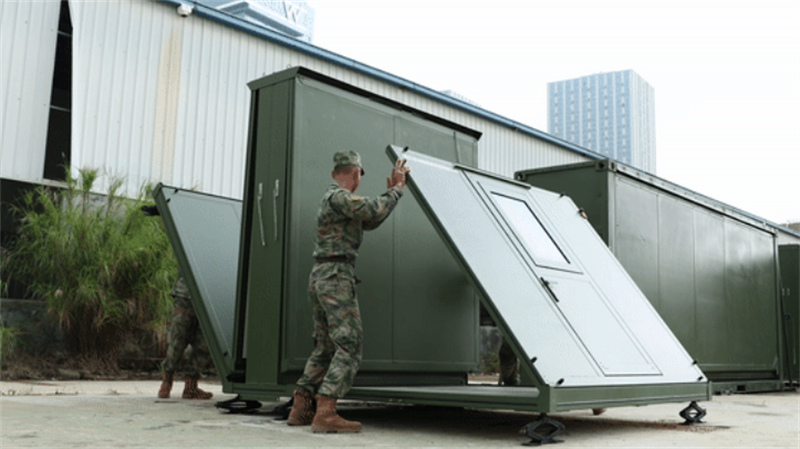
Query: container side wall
711	274
790	285
751	300
636	236
263	259
325	124
434	297
708	344
418	309
588	188
676	267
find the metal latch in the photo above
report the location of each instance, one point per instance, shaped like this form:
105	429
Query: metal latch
260	216
275	192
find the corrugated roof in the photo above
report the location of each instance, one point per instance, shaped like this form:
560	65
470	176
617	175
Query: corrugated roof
669	187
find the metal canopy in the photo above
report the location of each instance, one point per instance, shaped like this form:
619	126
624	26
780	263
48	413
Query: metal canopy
568	307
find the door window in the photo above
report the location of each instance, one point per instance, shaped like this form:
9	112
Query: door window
529	229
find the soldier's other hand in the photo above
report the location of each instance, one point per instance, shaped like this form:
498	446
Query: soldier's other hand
399	173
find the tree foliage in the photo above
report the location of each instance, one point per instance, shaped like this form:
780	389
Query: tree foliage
104	268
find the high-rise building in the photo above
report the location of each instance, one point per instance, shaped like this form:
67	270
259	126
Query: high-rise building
609	113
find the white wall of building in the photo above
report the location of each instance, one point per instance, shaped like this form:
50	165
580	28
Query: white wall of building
158	97
28	32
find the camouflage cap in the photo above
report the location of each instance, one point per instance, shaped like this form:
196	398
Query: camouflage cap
347	158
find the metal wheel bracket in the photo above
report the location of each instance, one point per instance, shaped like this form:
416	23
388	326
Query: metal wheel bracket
283	410
692	414
542	431
238	405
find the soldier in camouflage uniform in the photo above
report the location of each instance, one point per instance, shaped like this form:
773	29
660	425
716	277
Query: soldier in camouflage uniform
342	218
184	330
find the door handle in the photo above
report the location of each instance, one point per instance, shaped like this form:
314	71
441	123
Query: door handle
260	215
549	289
275	193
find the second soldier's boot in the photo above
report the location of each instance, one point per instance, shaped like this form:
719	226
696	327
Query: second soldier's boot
166	385
302	409
191	390
327	421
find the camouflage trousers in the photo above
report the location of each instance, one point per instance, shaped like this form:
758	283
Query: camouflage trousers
338	335
185	341
509	366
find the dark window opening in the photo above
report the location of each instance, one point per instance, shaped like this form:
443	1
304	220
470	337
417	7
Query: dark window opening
59	127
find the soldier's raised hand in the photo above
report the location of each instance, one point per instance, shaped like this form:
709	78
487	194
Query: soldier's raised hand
398	176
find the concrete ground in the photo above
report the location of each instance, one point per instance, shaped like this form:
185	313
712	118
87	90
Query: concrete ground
119	414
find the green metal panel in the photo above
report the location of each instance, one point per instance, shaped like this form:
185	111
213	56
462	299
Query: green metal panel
574	317
790	288
751	297
709	345
413	292
262	243
204	232
635	234
592	197
710	273
675	265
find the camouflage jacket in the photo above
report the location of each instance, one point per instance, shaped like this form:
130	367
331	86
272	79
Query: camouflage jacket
343	217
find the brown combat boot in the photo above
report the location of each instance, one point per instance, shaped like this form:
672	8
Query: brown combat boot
191	391
303	408
327	421
166	385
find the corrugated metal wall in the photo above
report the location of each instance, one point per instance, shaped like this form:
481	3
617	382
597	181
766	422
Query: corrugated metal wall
28	32
117	122
159	97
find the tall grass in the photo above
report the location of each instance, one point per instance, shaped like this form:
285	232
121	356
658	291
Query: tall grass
8	342
104	268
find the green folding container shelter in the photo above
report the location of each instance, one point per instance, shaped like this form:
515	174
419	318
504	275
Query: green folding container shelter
584	333
789	256
709	270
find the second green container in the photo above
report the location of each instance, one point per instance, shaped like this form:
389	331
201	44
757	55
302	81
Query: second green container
710	271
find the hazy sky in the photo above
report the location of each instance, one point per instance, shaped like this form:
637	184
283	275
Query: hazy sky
726	74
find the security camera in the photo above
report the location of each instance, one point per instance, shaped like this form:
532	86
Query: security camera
185	10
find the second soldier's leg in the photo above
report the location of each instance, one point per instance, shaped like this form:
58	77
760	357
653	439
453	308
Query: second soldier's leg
197	356
176	343
509	366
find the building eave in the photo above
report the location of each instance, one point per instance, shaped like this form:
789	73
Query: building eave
334	58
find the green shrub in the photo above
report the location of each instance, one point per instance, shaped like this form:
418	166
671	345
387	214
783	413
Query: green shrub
104	268
490	364
8	343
